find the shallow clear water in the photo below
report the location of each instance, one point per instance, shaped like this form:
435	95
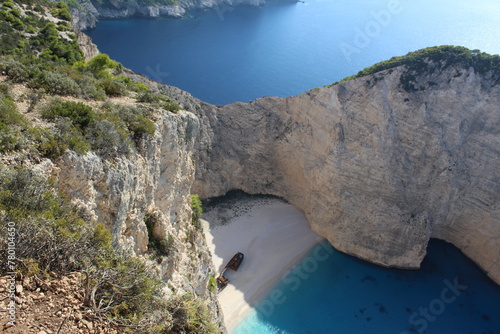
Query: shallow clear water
330	292
286	48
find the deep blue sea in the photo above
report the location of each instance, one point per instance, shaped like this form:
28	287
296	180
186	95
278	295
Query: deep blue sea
333	293
286	48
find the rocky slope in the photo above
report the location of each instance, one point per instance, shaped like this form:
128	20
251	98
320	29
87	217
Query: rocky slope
51	306
379	164
156	183
88	12
123	192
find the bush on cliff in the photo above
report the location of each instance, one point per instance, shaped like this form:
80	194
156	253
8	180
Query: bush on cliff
443	57
110	132
54	236
11	122
197	211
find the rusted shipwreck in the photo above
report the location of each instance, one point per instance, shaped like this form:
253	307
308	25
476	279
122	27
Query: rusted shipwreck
234	264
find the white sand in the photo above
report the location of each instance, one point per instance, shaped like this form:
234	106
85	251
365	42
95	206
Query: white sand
271	234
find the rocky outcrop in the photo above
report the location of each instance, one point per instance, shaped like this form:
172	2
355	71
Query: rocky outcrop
88	48
86	15
378	164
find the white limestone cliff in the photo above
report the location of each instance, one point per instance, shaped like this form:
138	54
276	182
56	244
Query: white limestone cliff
378	164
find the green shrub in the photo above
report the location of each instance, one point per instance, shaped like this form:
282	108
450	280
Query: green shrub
39	9
52	143
191	315
140	126
49	144
108	138
16	12
8	138
18	24
139	87
9	40
148	97
14	70
112	87
171	105
166	245
135	120
159	247
89	89
10	123
30	29
64	50
63	26
197	210
158	100
212	283
49	229
62	11
70	135
48	33
55	48
80	114
8	4
58	83
8	112
4	89
101	62
102	236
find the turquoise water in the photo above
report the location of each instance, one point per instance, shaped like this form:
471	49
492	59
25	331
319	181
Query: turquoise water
330	292
286	48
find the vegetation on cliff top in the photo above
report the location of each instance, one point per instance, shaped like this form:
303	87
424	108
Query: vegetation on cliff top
442	56
46	58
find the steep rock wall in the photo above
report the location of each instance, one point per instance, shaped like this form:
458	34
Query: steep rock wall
378	164
156	181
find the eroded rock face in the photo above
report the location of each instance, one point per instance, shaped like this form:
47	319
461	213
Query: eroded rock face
156	181
89	49
378	164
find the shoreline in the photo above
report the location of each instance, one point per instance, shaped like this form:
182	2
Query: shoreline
273	235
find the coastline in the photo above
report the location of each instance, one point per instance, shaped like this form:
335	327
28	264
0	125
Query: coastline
276	237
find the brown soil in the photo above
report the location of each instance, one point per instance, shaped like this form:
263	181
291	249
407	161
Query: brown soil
49	306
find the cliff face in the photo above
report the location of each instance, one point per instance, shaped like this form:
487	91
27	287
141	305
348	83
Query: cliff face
88	48
90	11
155	183
378	164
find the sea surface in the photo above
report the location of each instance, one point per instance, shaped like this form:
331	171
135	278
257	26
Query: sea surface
333	293
286	48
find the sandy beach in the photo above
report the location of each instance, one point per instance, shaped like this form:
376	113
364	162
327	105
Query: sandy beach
272	235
